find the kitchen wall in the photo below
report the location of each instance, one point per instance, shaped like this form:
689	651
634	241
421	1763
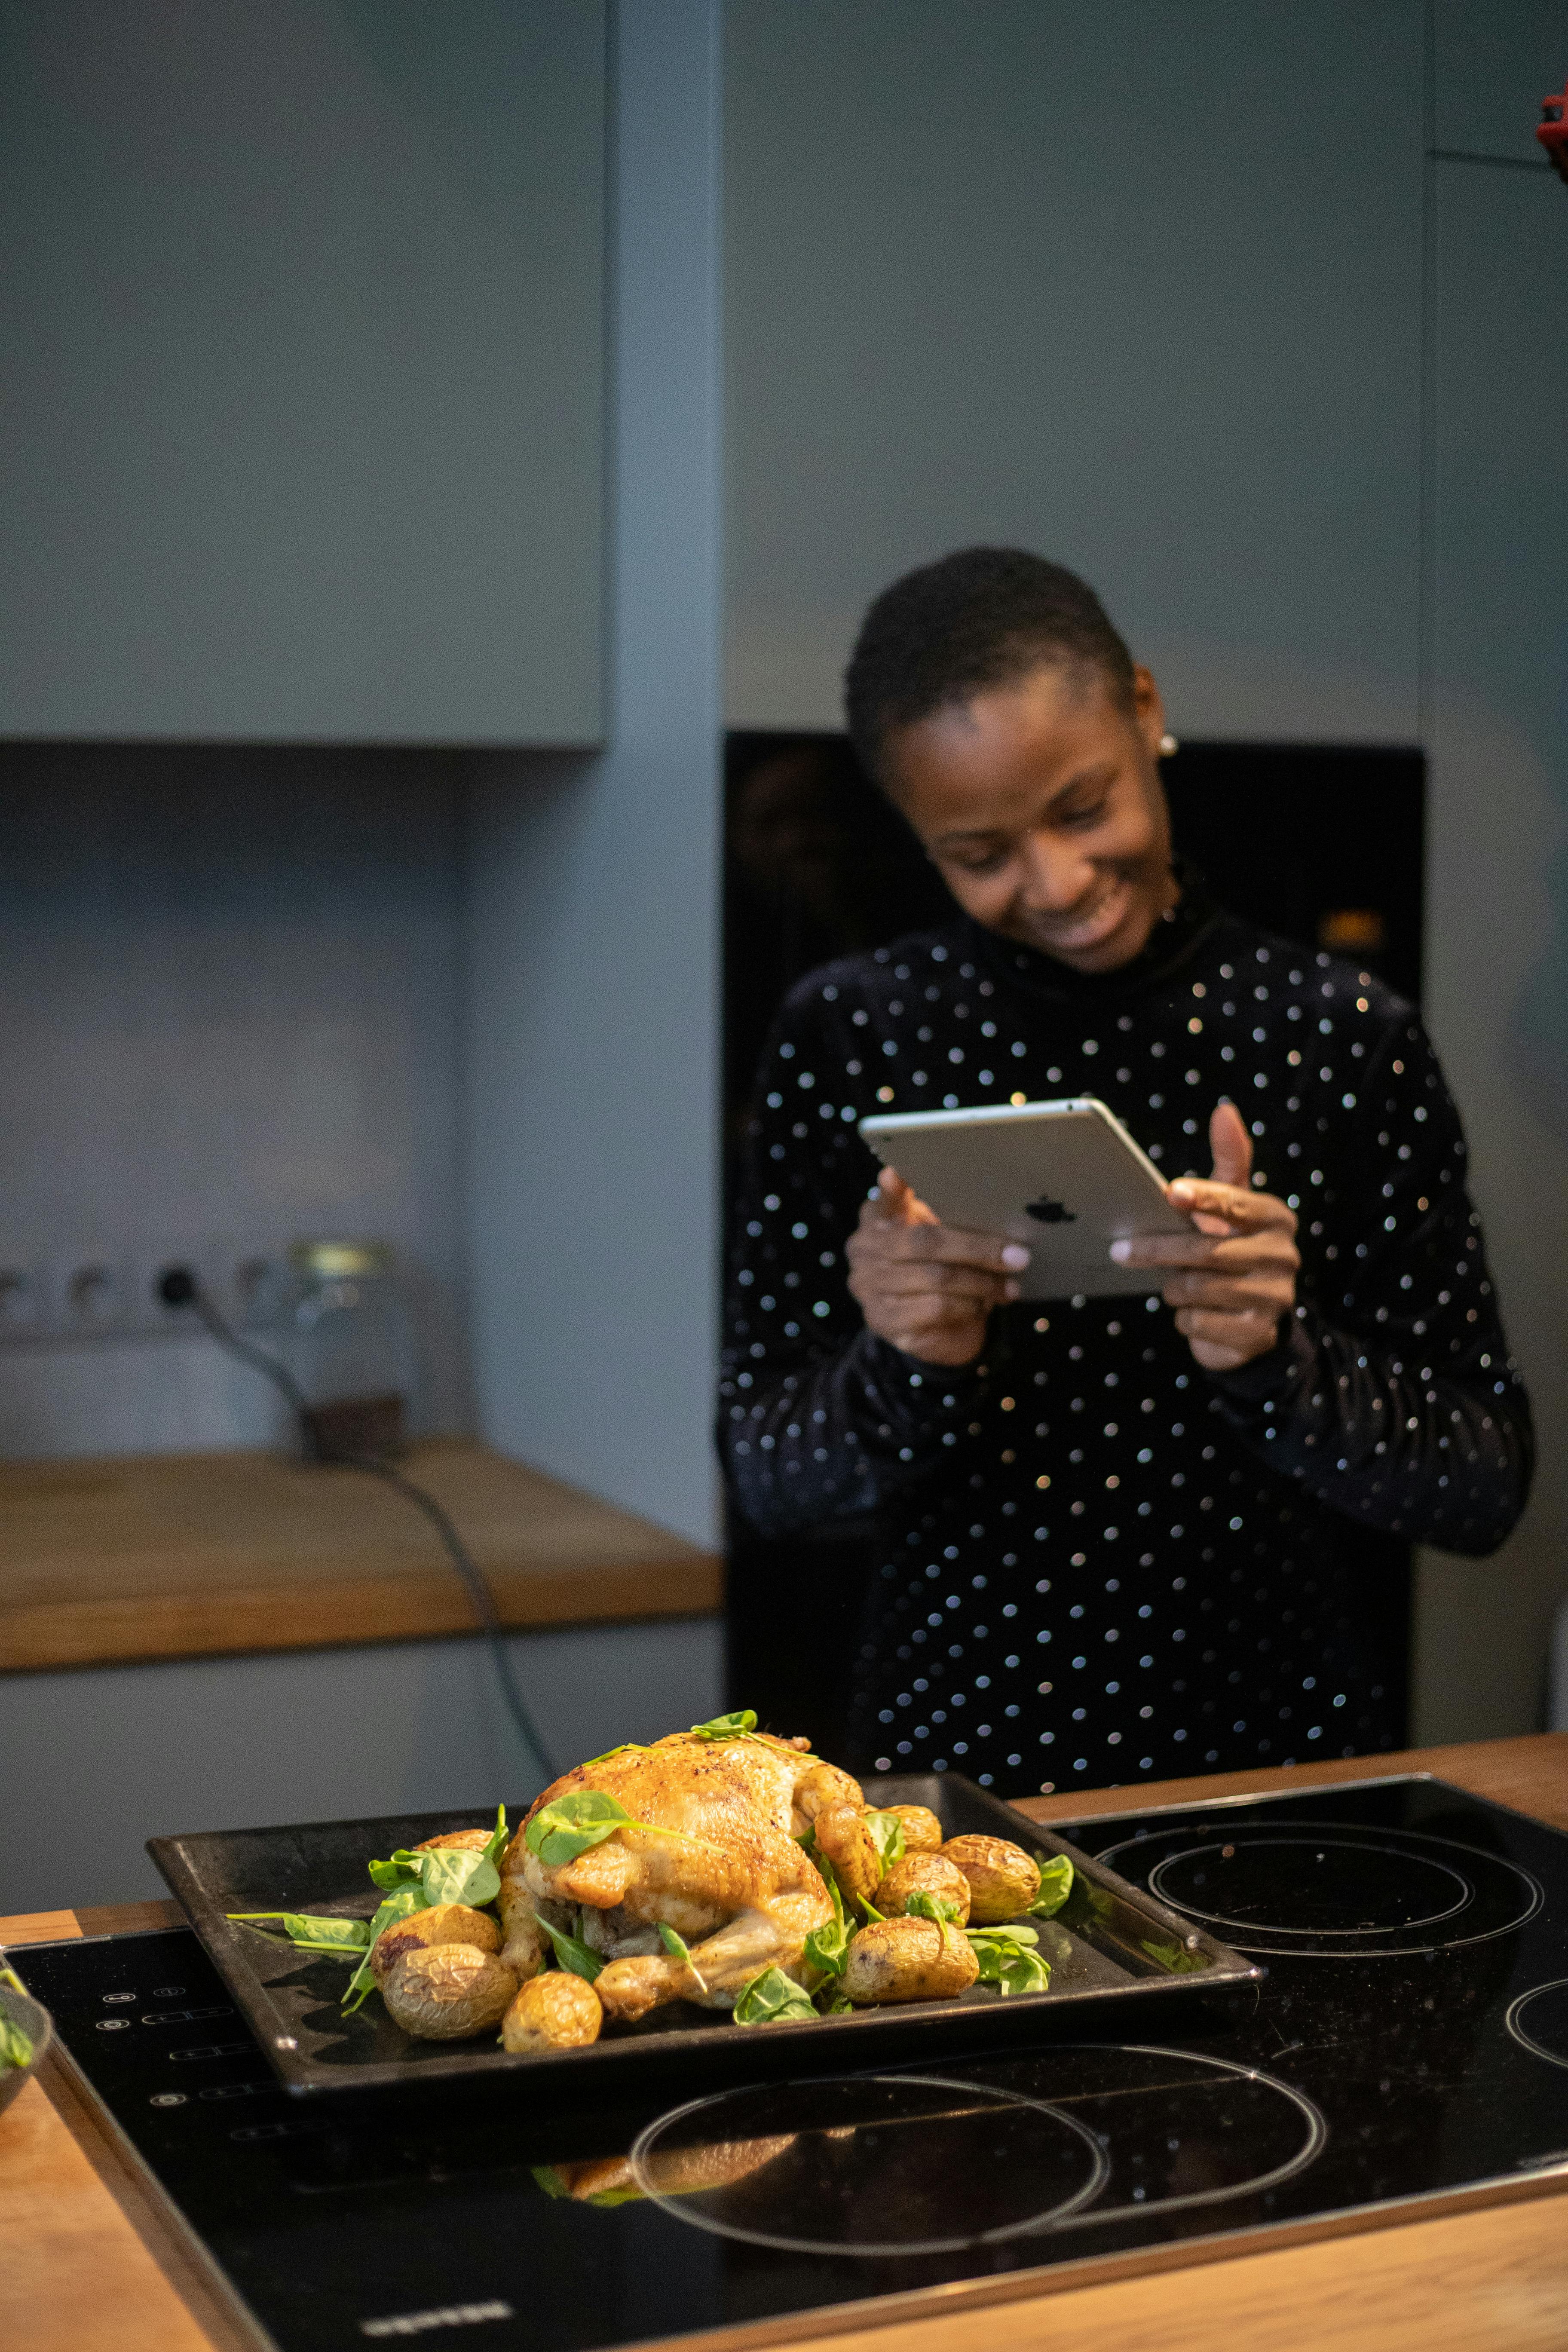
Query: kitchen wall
231	981
592	948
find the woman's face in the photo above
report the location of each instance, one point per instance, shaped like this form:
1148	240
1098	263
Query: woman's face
1041	806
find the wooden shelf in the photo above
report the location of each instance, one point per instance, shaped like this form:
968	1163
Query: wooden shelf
192	1555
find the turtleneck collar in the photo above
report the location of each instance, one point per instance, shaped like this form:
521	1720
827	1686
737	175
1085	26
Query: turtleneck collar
1173	941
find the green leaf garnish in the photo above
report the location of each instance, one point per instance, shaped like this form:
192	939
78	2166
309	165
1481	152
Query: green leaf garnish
924	1904
571	1952
452	1875
345	1939
1009	1959
15	2047
827	1947
626	1747
773	1998
728	1726
401	1869
572	1824
1175	1957
888	1835
401	1904
677	1949
1055	1885
497	1843
448	1874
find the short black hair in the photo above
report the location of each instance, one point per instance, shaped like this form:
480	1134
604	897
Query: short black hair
980	617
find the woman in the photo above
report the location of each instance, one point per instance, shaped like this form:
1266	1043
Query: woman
1121	1539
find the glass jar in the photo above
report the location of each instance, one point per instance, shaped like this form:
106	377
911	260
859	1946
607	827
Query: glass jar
353	1349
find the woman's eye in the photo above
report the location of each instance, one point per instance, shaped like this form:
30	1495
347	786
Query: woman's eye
982	861
1092	813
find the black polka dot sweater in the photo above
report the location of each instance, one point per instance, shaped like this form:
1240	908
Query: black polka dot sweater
1097	1562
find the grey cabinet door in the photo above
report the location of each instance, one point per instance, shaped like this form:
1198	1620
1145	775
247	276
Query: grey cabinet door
1136	286
300	341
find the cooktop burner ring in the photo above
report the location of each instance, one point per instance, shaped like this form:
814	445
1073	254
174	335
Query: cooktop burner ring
1074	2142
1220	1848
701	2168
1517	2010
1502	1896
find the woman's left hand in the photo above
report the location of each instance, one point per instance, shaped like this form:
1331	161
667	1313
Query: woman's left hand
1231	1280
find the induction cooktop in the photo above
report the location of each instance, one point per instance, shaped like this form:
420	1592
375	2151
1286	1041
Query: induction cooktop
1409	2041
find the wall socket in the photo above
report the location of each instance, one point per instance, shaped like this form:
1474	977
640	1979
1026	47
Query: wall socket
111	1293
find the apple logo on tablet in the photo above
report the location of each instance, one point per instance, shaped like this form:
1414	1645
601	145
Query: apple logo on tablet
1046	1212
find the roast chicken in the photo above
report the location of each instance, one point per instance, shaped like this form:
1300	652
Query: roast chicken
711	1851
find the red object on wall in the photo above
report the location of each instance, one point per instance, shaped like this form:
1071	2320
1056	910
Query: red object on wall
1553	130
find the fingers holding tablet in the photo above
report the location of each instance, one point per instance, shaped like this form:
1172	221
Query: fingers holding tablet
926	1287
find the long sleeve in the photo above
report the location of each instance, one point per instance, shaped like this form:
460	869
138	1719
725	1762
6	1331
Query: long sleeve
818	1419
1391	1396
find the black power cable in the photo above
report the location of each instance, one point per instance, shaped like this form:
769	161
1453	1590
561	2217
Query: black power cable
178	1287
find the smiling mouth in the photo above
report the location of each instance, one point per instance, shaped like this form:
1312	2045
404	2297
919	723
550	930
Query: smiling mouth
1089	928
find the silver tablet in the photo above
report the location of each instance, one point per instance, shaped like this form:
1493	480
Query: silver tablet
1065	1178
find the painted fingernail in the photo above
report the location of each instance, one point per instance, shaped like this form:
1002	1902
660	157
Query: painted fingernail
1180	1189
1016	1255
1122	1252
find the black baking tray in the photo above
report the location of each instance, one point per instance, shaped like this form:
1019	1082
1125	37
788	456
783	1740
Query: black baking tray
1111	1943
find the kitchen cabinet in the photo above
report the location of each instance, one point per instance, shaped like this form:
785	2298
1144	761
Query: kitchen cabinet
301	335
1136	287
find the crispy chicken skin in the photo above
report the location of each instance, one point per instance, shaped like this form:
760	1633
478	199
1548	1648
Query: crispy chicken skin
710	1851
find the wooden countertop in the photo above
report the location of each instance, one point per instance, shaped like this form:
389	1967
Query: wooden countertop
91	2261
187	1555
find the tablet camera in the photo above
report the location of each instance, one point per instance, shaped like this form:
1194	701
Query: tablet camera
1046	1212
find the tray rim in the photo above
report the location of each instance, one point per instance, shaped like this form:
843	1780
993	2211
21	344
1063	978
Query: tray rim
303	2076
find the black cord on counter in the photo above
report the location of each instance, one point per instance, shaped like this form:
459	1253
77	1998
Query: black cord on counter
179	1287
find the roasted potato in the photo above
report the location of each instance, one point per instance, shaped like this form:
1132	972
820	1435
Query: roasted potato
448	1992
553	2012
443	1923
468	1841
922	1831
1003	1879
908	1960
929	1874
844	1837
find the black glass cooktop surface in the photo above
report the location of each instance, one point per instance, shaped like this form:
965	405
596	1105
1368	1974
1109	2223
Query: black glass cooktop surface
1411	2037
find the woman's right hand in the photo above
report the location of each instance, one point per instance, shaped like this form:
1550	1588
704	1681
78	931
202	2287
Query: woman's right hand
924	1286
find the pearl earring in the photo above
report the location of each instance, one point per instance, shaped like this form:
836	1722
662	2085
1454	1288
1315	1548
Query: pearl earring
1168	744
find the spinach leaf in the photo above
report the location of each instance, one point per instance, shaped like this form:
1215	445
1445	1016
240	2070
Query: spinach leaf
343	1938
451	1874
677	1949
1009	1959
827	1947
399	1904
773	1998
1055	1885
560	1831
728	1726
497	1843
1175	1957
402	1870
571	1952
924	1904
15	2047
888	1833
626	1747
